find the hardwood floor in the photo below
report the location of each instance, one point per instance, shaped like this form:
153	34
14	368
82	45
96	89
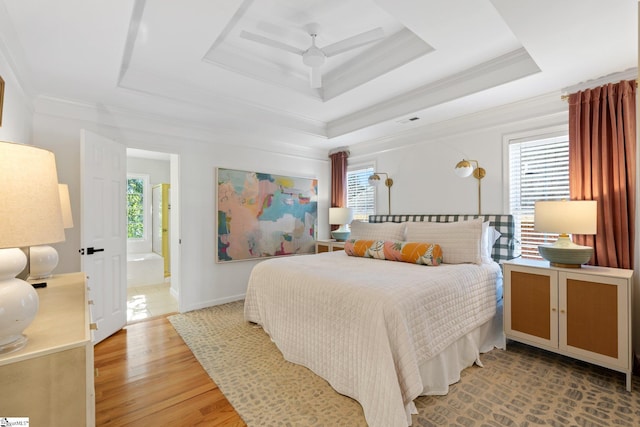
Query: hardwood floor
147	376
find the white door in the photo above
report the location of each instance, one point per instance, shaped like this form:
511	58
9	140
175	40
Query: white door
103	219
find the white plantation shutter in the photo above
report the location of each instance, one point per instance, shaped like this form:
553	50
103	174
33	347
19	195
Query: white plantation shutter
538	170
360	195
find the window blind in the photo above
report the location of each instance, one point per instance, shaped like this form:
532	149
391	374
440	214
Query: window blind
360	195
538	170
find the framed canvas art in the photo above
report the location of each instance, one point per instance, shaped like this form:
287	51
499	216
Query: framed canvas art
262	215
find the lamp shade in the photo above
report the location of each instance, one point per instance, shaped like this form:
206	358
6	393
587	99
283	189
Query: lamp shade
463	168
566	216
65	204
30	207
340	216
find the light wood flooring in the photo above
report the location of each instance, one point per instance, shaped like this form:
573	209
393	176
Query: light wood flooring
147	376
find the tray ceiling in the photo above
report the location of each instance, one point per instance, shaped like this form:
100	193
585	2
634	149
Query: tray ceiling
187	62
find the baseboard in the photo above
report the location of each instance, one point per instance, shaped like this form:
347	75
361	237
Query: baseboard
211	303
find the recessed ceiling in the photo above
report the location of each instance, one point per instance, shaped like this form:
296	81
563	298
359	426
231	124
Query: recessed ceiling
188	63
291	24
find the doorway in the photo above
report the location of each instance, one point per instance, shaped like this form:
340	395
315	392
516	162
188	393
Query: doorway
152	285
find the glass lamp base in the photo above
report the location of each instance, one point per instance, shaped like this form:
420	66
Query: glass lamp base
15	345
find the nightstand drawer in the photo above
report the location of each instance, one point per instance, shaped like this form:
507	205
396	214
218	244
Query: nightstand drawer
328	246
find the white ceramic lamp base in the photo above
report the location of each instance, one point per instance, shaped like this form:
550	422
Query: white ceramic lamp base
341	234
42	261
18	301
565	253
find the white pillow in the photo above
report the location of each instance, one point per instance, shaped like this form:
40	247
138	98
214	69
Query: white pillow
461	241
489	237
377	231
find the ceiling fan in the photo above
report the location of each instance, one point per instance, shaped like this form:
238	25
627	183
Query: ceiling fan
314	56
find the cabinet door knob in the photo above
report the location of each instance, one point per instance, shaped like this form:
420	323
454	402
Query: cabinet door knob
93	326
553	309
562	311
90	302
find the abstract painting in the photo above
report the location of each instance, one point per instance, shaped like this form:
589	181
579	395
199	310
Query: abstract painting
264	215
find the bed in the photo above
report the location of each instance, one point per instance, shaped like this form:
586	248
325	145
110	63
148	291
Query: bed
384	332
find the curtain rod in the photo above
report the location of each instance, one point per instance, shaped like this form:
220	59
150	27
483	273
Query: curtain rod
566	97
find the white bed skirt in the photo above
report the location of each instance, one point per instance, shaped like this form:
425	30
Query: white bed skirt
439	372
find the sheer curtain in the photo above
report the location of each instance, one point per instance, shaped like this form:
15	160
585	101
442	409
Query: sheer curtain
602	167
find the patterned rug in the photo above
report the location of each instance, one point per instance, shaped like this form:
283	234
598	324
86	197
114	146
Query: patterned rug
523	386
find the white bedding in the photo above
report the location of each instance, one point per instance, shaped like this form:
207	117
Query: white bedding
369	326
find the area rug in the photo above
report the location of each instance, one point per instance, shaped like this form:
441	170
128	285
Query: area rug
522	386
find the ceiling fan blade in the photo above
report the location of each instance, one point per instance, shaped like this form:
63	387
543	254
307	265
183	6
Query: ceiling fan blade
315	76
269	42
354	42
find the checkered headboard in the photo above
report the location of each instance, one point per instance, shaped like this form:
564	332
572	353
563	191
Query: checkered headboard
504	249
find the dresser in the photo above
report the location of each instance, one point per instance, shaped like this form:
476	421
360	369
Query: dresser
50	380
584	313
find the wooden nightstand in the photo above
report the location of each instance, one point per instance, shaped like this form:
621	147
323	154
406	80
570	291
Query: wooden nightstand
584	313
328	246
50	380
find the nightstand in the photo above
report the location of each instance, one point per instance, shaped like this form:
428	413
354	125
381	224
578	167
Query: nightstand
50	380
328	246
584	313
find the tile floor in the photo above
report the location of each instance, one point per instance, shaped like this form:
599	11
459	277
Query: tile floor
149	301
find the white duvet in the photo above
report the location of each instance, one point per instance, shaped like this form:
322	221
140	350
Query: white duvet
366	325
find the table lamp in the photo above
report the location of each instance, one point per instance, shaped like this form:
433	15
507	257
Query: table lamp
341	217
43	259
31	215
566	217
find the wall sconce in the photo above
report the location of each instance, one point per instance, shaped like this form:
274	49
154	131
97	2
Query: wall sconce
375	179
464	169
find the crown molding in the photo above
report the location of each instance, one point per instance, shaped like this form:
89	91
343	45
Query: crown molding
394	52
131	122
503	69
547	107
232	109
630	74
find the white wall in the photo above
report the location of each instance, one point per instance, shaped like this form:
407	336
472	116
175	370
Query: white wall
158	170
421	163
17	110
203	281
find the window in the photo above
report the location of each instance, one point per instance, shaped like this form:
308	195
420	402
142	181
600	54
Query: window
360	195
136	203
538	170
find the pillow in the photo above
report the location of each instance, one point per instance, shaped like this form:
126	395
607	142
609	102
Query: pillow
377	231
393	250
461	241
489	237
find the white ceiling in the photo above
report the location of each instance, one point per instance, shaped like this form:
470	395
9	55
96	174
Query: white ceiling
185	60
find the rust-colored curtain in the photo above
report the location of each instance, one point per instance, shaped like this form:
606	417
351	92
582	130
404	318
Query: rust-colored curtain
602	167
339	178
